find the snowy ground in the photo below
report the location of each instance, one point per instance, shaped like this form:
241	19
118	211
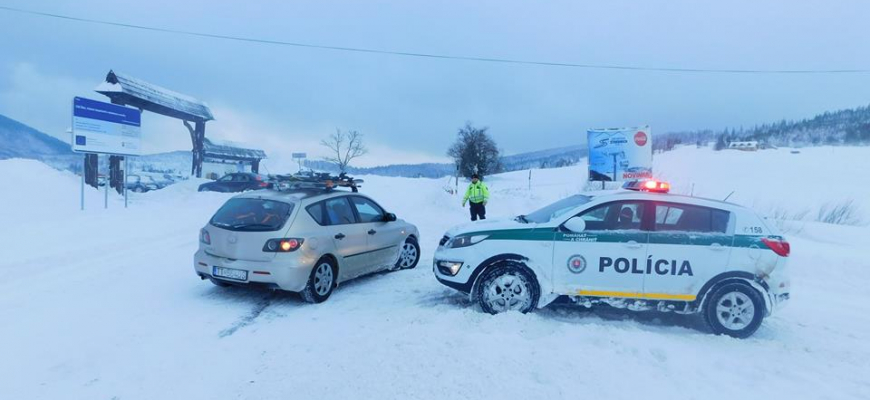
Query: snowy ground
104	304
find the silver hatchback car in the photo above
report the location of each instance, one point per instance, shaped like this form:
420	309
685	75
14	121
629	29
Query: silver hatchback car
305	241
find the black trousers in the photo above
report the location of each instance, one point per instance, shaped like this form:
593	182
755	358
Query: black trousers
478	210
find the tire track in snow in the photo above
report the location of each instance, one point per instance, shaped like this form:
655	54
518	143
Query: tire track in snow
250	317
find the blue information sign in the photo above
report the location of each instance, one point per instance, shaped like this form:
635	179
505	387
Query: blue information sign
99	127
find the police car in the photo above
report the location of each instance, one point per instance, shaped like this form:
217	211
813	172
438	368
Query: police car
639	248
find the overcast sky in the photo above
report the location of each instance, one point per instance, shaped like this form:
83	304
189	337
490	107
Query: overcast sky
286	98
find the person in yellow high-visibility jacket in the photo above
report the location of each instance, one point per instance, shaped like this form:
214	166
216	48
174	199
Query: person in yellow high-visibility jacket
478	195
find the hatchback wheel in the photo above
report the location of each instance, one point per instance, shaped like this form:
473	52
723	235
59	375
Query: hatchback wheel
735	310
507	287
321	282
409	256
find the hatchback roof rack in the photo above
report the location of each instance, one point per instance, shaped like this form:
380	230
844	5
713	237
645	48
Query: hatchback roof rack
316	181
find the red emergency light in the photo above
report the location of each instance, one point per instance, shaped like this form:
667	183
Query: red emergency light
651	185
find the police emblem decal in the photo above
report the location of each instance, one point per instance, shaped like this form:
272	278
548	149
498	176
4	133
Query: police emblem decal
576	264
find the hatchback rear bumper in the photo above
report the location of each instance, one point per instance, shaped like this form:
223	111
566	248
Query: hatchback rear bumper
285	273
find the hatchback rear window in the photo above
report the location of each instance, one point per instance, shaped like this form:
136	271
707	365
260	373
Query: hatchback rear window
243	214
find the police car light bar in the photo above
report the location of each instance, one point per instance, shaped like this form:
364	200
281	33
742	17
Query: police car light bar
653	186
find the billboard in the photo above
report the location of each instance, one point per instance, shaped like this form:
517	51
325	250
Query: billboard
99	127
620	154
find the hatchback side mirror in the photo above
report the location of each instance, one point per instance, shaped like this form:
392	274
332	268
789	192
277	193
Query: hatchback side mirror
389	217
575	224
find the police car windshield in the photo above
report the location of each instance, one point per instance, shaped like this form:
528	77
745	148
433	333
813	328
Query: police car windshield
555	210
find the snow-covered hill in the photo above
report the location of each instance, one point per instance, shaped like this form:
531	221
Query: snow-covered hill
105	304
21	141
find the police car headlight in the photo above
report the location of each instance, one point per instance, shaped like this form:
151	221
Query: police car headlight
465	241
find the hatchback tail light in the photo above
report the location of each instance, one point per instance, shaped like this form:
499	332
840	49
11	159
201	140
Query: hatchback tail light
284	245
779	246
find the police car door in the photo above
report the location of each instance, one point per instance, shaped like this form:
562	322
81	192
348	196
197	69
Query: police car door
689	244
607	257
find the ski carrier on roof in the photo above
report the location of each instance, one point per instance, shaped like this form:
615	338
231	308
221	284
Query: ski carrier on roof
316	181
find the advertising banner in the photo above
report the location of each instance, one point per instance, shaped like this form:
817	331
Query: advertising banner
106	128
620	154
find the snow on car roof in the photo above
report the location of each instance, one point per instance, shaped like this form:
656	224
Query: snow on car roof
660	196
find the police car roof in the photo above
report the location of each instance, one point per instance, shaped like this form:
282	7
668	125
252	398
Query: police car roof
678	198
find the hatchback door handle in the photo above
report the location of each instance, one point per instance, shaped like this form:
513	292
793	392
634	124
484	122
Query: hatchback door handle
339	236
372	231
633	245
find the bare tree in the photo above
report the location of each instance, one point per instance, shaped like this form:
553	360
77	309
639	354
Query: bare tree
344	146
475	152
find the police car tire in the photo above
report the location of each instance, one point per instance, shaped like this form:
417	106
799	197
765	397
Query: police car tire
501	269
413	242
309	294
710	310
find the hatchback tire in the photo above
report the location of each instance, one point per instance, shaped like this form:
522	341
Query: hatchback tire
735	309
507	287
321	282
409	254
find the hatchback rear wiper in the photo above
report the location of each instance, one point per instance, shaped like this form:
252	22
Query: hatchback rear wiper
249	226
522	218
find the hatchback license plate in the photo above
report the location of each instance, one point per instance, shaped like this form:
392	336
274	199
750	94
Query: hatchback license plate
229	273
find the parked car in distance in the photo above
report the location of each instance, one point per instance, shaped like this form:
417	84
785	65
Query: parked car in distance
237	182
141	183
159	179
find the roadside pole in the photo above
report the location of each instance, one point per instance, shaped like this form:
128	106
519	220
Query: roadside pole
124	181
106	192
84	166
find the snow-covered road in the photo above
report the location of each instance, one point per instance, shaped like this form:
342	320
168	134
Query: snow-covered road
105	304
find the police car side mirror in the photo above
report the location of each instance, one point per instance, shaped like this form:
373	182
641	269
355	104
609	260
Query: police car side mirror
575	224
389	217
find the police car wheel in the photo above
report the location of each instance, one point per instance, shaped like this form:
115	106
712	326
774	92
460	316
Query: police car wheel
409	255
321	282
507	287
735	309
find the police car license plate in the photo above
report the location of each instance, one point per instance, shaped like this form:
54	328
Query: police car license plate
230	273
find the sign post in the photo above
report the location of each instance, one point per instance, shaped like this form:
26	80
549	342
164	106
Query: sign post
84	166
124	180
105	128
299	157
620	154
105	192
